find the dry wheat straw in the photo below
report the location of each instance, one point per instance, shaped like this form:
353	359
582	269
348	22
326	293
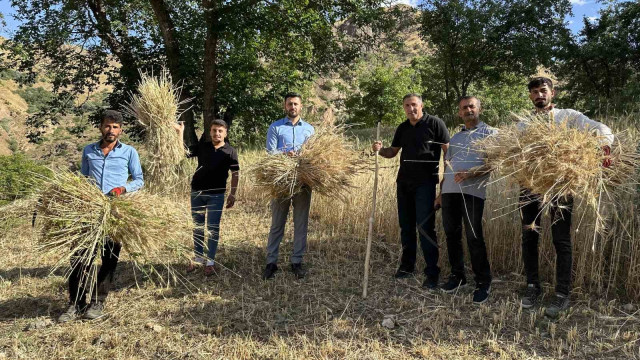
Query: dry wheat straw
156	106
76	216
560	162
327	163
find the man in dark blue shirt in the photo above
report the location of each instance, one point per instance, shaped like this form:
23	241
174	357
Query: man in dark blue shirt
109	163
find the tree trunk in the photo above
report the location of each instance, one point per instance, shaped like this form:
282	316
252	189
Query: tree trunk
172	50
210	63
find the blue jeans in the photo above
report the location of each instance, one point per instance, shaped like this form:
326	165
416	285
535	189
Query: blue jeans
212	204
415	210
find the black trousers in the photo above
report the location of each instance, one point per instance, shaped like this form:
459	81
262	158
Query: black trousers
454	213
78	279
415	211
560	232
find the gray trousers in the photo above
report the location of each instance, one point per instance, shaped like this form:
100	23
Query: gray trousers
279	212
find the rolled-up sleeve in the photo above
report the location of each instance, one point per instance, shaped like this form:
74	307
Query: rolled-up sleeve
603	130
135	169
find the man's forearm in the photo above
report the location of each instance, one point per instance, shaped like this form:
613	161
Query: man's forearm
235	177
387	152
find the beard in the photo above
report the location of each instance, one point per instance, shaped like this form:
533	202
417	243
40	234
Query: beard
109	138
541	104
292	113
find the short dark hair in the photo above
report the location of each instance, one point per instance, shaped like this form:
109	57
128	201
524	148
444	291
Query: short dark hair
469	97
112	115
292	95
540	81
410	95
218	122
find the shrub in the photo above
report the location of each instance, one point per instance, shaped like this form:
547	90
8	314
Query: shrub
18	175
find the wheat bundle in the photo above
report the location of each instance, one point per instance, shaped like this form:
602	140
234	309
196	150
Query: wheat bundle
559	162
327	163
76	216
156	106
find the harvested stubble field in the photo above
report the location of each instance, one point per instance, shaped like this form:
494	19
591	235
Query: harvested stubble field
237	315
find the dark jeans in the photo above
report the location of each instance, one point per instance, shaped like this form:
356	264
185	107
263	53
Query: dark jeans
78	285
415	209
453	215
561	233
212	204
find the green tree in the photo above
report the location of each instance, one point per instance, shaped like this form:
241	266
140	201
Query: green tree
234	58
379	95
600	68
484	40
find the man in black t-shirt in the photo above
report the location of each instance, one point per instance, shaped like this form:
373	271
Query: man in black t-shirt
422	138
215	159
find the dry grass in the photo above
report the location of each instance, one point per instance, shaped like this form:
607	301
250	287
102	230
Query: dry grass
156	106
327	163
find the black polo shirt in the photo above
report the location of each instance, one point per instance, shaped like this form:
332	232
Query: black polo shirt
213	166
420	142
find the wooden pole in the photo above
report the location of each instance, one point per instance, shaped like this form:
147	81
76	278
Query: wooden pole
367	257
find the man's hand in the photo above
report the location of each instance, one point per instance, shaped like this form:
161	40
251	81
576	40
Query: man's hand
179	127
376	146
607	160
461	176
115	192
291	153
231	200
437	204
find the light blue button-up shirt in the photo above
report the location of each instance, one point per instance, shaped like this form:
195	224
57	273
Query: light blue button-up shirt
113	170
283	136
462	155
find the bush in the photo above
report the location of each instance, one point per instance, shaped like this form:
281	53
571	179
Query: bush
37	98
18	177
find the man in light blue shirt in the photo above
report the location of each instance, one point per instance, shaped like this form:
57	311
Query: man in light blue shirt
463	191
109	163
287	135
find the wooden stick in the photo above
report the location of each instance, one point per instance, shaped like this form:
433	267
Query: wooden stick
367	257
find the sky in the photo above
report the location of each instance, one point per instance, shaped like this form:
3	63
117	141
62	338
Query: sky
581	8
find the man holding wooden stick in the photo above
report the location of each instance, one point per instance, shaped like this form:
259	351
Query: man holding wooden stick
110	163
462	196
422	138
287	136
541	93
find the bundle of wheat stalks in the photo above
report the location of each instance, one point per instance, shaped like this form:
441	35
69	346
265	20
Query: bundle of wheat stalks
156	106
77	216
559	162
326	163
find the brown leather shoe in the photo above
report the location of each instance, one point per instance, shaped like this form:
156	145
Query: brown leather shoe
192	267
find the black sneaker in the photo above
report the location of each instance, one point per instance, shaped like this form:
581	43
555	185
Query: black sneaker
481	294
559	304
403	273
72	313
94	311
269	271
530	298
298	270
453	284
430	283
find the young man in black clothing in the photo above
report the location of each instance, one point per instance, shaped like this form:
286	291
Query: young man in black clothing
422	138
208	186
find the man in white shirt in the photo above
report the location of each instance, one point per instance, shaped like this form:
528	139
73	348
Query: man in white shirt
541	93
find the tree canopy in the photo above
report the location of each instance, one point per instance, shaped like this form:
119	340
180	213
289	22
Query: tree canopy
233	58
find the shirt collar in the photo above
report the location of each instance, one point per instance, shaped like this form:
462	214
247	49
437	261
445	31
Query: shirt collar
96	145
478	126
288	121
